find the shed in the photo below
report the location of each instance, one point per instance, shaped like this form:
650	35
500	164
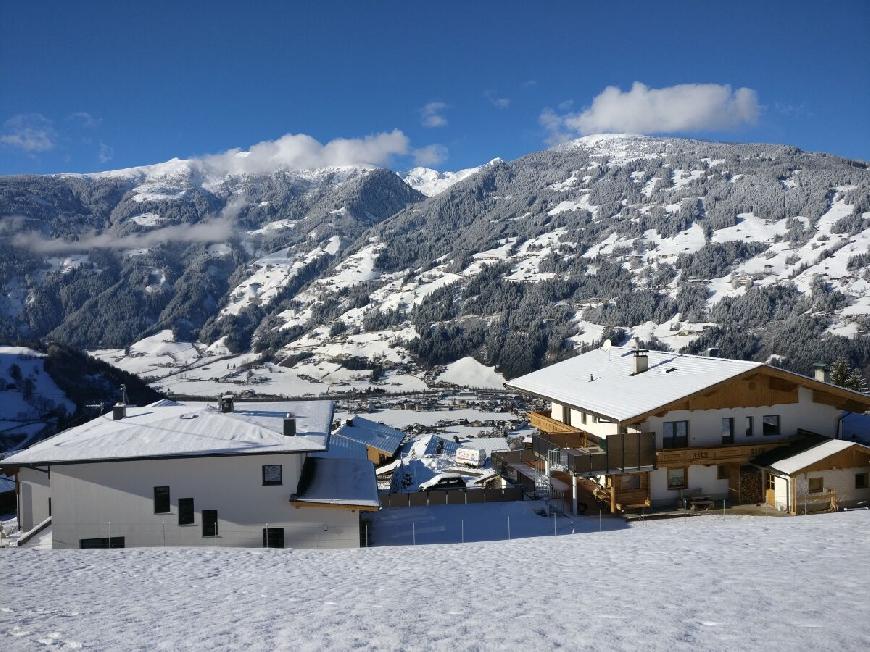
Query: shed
825	477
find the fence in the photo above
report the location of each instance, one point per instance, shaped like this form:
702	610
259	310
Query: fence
451	497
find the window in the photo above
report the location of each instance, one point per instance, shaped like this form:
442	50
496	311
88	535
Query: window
185	511
566	415
728	430
209	523
101	542
771	482
630	481
677	478
750	426
676	434
272	475
722	472
817	485
161	500
583	417
862	480
273	537
770	425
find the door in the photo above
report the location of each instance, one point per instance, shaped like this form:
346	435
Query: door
273	537
209	523
770	492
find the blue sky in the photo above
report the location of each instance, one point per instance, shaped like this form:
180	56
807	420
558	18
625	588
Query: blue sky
90	86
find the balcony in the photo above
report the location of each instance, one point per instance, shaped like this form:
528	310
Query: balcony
729	454
622	453
567	436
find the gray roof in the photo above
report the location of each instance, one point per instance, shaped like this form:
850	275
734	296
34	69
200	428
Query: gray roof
373	434
186	430
339	481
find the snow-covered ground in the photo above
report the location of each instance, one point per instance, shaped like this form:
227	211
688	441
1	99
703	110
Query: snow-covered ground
709	583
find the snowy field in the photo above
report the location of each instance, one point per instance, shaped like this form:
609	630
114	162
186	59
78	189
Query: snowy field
734	583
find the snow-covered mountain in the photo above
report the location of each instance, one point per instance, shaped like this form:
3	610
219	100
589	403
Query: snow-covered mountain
432	182
344	279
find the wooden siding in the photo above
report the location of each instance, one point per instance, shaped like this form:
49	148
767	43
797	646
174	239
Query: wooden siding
548	424
737	454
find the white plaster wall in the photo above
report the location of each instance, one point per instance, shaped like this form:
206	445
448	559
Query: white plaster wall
557	412
781	488
840	480
700	478
705	426
33	498
117	499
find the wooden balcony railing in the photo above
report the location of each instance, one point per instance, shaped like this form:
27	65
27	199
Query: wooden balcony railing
548	424
731	454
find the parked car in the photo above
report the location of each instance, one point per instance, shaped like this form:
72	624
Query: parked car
444	481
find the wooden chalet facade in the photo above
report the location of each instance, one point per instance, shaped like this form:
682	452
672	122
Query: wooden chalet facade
635	429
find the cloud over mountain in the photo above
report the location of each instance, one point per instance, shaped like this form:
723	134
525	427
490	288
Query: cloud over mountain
644	110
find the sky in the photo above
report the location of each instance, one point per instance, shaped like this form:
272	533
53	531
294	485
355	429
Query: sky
105	85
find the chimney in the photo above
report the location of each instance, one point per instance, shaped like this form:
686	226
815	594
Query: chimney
289	425
119	411
713	352
226	403
641	361
821	372
349	422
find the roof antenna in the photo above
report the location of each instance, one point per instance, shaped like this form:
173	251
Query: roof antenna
124	394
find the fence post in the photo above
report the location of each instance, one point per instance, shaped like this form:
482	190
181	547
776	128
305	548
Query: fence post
413	534
509	527
554	523
164	534
367	534
600	521
462	525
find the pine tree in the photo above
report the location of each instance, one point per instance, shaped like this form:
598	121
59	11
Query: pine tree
844	375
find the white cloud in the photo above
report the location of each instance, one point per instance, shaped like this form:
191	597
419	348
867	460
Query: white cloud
300	151
30	132
106	153
85	119
644	110
432	114
217	229
430	155
496	101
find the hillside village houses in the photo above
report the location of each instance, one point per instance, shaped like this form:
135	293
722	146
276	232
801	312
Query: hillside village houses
197	474
641	429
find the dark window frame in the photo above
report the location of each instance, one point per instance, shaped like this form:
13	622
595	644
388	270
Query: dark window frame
862	480
670	439
821	485
210	523
168	497
773	431
272	483
750	427
685	482
94	543
729	437
272	536
185	516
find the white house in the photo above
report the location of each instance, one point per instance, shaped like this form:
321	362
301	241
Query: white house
641	428
195	474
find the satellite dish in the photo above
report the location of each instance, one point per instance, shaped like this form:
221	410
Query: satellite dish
607	344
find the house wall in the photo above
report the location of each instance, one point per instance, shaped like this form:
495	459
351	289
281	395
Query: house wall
700	479
840	480
117	499
592	426
705	425
34	494
782	493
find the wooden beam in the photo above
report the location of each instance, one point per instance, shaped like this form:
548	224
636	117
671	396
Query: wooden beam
353	508
737	454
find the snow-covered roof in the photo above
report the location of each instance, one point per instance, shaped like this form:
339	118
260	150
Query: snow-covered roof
373	434
342	447
815	454
339	481
603	381
186	430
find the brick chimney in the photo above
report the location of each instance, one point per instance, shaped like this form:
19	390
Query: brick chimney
821	372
